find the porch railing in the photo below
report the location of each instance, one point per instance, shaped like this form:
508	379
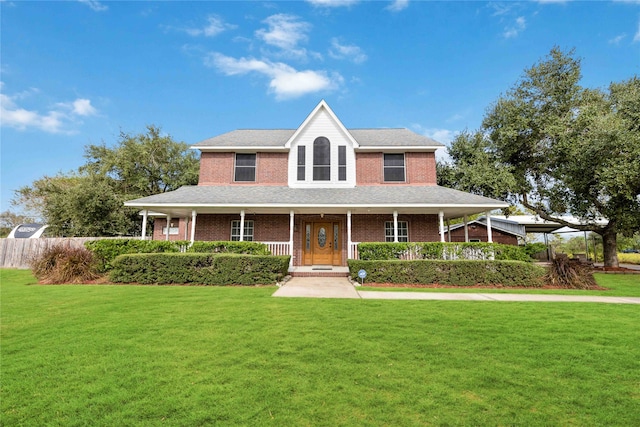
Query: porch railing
278	248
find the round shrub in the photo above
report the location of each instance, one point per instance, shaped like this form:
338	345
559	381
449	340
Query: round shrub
63	264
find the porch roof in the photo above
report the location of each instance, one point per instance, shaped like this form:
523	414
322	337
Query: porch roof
414	199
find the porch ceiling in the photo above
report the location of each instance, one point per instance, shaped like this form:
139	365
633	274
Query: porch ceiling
407	199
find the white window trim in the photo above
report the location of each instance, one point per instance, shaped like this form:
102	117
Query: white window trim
248	225
404	167
255	167
172	231
400	236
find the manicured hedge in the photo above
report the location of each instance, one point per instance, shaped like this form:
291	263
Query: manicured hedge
198	269
442	250
459	273
105	251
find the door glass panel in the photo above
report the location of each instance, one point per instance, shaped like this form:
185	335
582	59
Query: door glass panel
308	236
335	236
322	237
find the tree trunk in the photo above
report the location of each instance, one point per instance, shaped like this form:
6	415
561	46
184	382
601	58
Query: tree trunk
610	246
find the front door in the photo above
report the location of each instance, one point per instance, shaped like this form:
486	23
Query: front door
322	241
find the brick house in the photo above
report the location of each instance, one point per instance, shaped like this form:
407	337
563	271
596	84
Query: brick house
313	192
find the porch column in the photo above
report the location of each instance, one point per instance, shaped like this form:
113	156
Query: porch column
242	225
145	213
466	229
166	237
449	230
194	214
349	248
395	226
441	217
489	233
291	224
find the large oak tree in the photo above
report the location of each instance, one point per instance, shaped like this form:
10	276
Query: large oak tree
559	149
90	201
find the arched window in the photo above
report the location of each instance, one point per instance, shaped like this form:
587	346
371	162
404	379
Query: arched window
321	159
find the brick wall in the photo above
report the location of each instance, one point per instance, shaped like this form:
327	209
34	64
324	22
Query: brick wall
420	169
271	169
478	231
217	168
266	228
160	223
370	228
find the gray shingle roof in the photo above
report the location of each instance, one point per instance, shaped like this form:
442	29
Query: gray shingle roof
282	196
386	137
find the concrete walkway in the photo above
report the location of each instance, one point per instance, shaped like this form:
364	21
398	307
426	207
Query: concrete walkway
339	287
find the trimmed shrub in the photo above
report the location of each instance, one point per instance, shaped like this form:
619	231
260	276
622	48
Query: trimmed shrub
246	248
441	250
108	249
199	269
63	264
457	273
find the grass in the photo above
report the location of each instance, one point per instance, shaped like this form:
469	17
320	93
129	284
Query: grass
617	285
147	355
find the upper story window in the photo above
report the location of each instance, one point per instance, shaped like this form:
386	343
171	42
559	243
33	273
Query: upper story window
302	153
394	170
342	163
321	159
245	169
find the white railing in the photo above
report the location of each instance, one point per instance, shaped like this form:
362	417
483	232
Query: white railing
354	250
278	248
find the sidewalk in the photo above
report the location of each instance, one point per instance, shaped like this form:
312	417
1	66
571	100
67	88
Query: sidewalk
339	287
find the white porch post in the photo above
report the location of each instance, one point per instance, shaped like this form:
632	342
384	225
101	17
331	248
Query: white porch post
194	214
489	233
242	225
441	218
145	213
449	230
466	229
291	224
395	226
166	237
349	248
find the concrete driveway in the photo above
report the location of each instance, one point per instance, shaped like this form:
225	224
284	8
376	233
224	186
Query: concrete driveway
340	287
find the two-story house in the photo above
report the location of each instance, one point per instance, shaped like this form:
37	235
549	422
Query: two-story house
313	192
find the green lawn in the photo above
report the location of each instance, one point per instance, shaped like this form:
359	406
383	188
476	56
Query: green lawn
189	356
617	285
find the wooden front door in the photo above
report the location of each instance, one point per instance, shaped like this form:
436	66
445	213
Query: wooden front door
321	243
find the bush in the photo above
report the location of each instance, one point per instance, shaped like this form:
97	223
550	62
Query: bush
108	249
63	264
441	251
199	268
247	248
570	274
458	273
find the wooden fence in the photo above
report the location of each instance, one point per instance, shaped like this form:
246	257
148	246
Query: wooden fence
18	253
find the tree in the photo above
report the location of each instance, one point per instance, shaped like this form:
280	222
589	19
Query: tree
564	149
90	201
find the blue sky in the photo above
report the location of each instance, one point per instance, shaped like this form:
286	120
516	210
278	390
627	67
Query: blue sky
78	72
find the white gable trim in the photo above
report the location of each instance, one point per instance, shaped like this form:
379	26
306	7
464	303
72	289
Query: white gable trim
310	117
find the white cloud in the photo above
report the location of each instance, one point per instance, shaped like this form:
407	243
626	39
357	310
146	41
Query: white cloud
215	25
285	81
350	52
95	5
285	32
398	5
515	29
56	120
636	37
617	39
332	3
